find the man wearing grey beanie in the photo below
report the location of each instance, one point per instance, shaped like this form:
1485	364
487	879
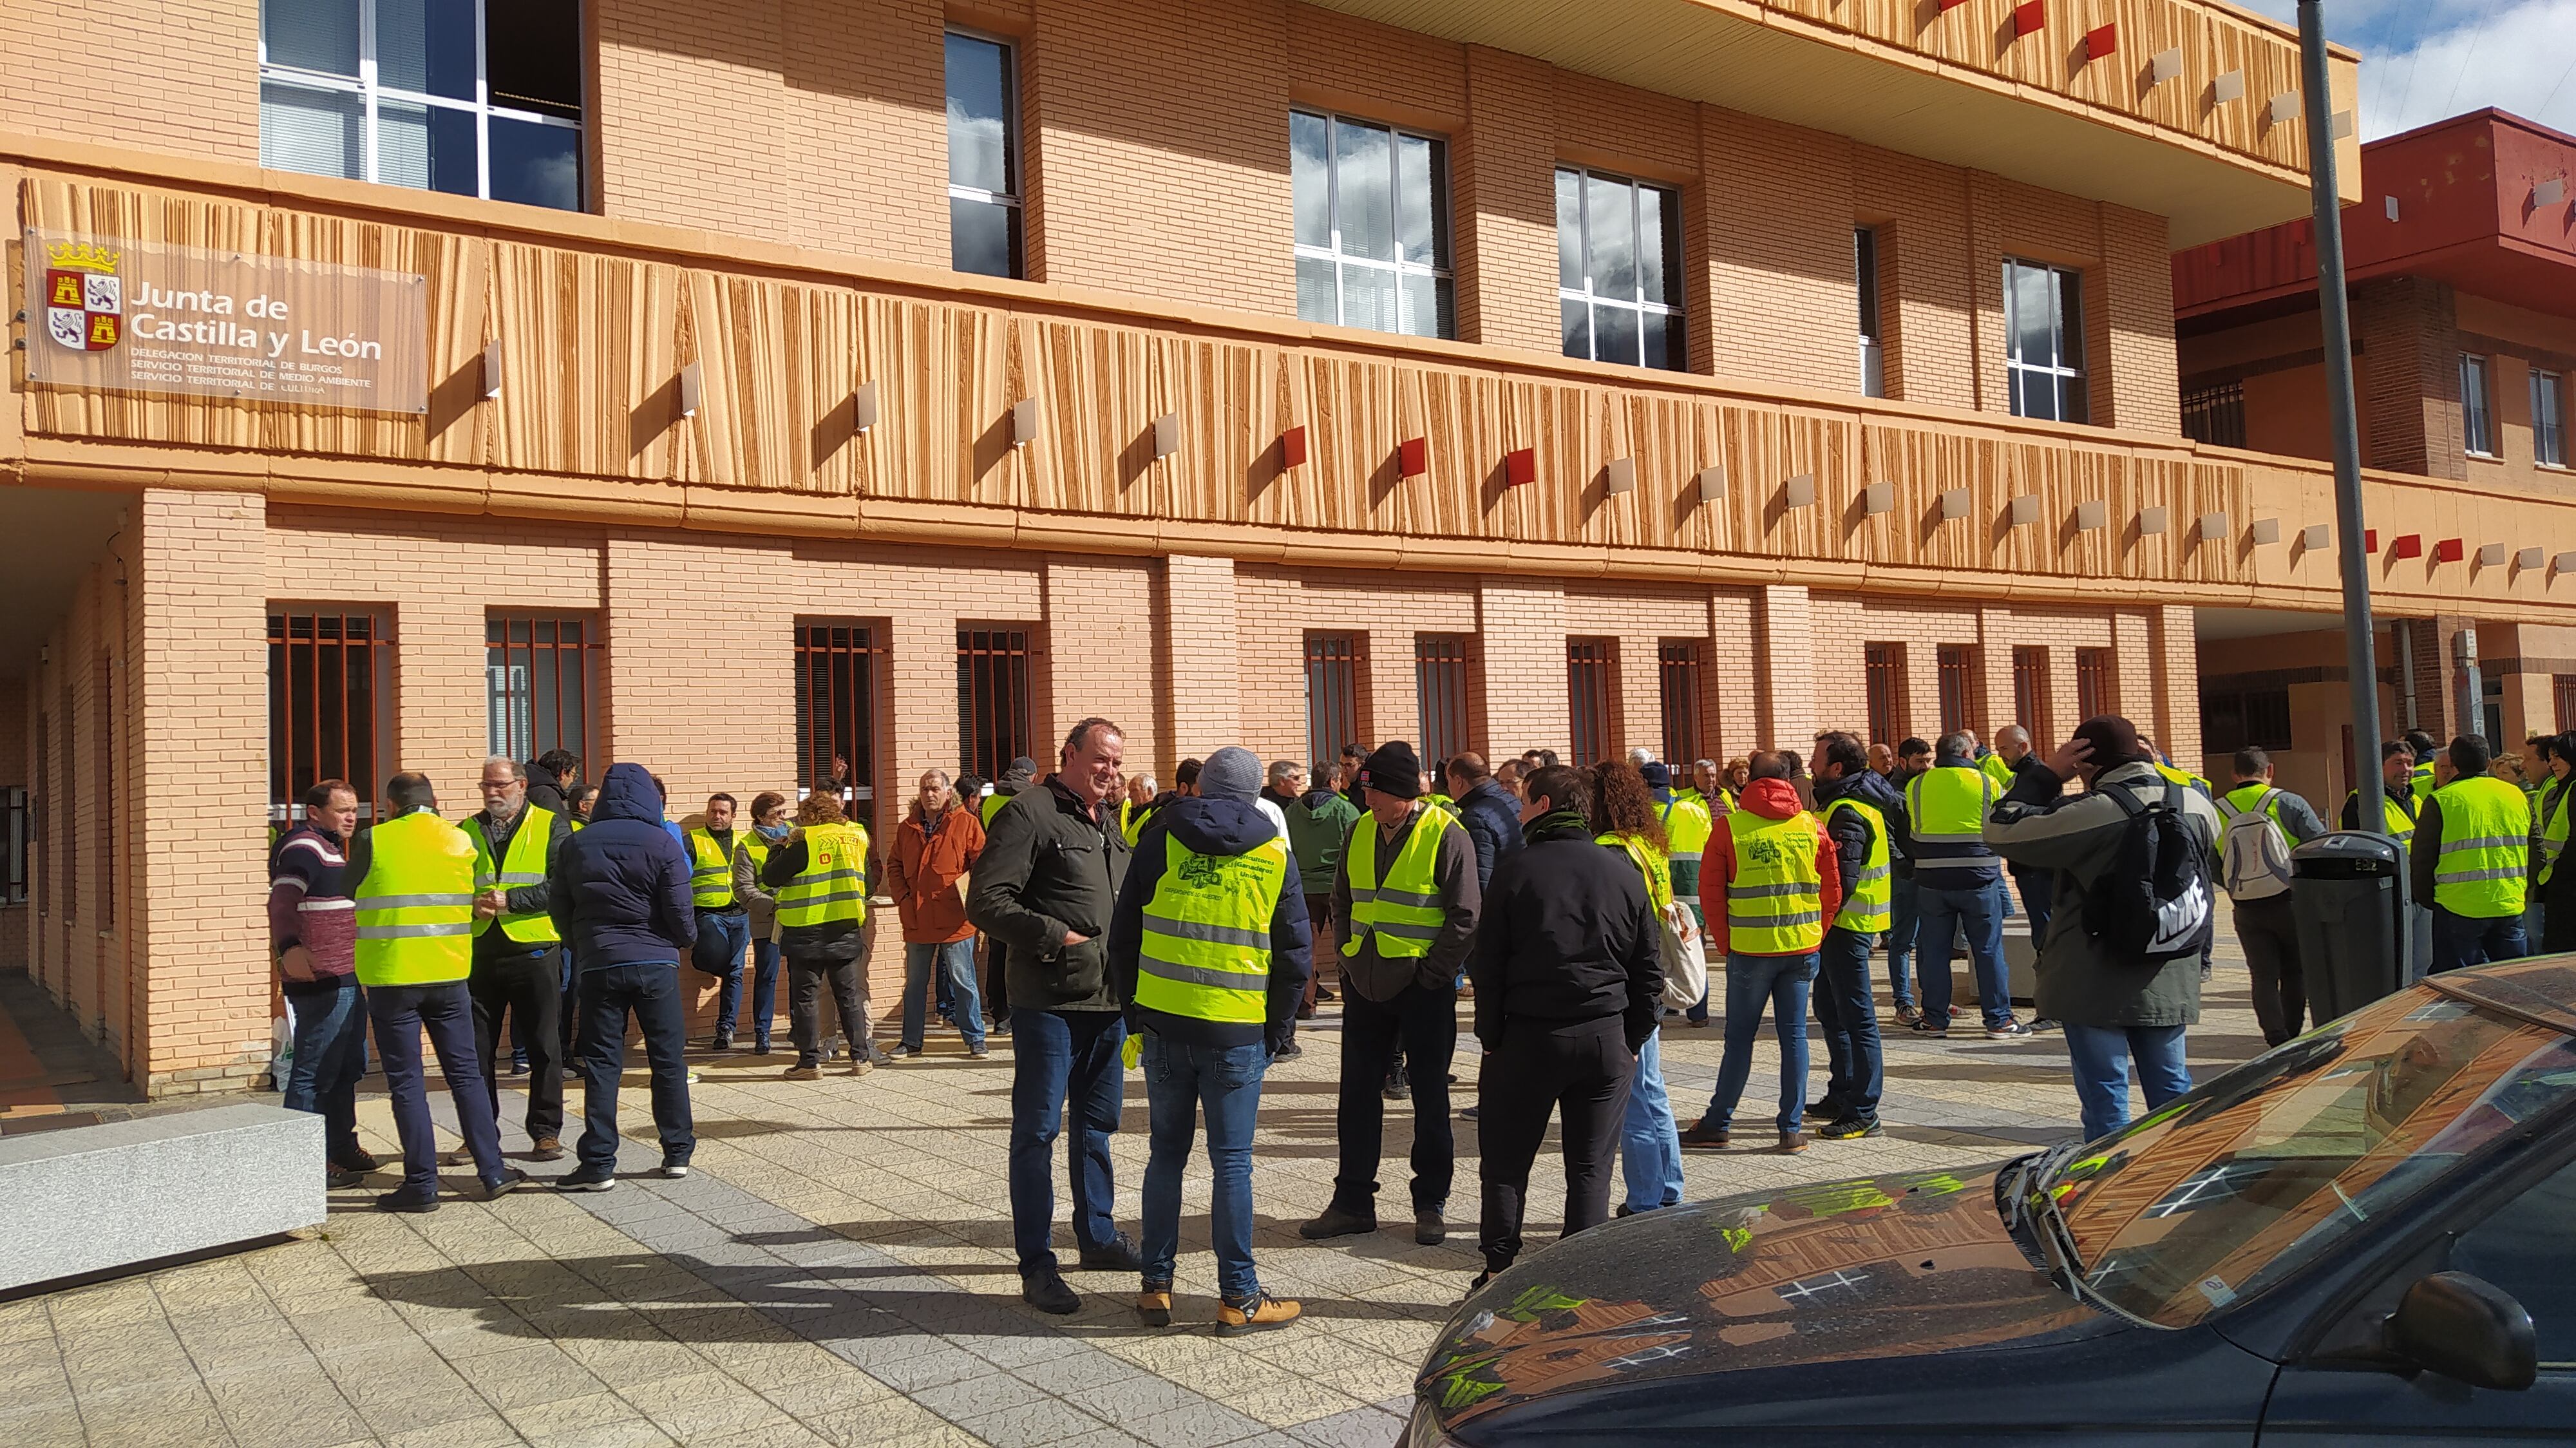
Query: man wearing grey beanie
1209	951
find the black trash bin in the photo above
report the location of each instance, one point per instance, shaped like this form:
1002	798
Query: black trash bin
2349	892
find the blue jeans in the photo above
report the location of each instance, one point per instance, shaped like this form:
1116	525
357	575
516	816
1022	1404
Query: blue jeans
956	963
1753	982
652	994
1854	1064
1901	928
401	1013
330	1056
1980	909
1061	1058
1650	1143
722	939
2461	940
764	990
1181	1081
2101	1056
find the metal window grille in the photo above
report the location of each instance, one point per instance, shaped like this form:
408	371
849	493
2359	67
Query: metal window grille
2030	692
1957	666
2044	341
1682	671
993	700
836	708
1883	666
1332	694
540	673
2477	418
461	96
1873	374
1588	687
1440	683
103	794
1372	225
2562	689
2233	719
984	231
330	707
17	818
1619	270
2215	415
2097	683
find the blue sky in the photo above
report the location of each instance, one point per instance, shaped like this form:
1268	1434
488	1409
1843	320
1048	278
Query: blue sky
2422	60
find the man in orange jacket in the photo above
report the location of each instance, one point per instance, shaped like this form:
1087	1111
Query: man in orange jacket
934	847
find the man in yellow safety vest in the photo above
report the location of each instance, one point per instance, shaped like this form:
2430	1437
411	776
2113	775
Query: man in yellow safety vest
516	970
2553	880
2471	857
1856	801
415	902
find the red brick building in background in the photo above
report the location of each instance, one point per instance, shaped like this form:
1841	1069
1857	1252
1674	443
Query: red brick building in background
900	383
2461	259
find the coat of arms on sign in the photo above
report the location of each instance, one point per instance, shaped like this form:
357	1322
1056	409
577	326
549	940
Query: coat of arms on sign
84	297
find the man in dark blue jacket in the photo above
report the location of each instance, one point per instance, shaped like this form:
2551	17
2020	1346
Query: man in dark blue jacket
621	900
1489	811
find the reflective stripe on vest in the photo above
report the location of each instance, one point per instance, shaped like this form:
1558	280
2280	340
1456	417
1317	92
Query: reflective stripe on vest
2553	827
1868	907
1656	868
1776	903
2399	825
416	904
710	870
1205	952
2486	848
834	883
523	863
1403	907
1947	806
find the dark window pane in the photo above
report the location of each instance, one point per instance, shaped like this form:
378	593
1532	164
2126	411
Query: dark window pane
426	45
430	147
983	237
1569	234
1654	210
1578	328
1615	338
533	52
537	165
1659	341
311	34
1310	178
979	115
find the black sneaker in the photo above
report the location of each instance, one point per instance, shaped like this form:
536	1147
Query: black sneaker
1115	1255
1907	1015
1289	1051
1850	1128
722	1042
407	1200
341	1178
1046	1291
2008	1031
1337	1222
586	1179
1430	1226
361	1160
1470	1113
1823	1111
674	1167
510	1180
1930	1027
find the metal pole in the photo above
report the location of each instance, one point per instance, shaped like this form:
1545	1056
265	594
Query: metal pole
2333	308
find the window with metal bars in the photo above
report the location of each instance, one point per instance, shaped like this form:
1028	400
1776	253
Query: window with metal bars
1588	689
38	797
1440	686
1883	667
993	700
2097	684
330	706
2215	415
2030	691
103	797
1681	672
2233	719
540	675
836	708
2562	690
1332	694
17	819
1957	667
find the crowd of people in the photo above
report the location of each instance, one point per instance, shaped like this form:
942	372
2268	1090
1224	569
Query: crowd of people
1579	907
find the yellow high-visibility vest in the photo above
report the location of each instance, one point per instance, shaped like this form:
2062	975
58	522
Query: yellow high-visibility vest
2399	825
416	904
834	883
710	869
524	863
1775	905
1869	908
1650	863
991	805
2420	779
2486	848
1687	826
1205	953
1947	806
2553	827
1993	767
1403	907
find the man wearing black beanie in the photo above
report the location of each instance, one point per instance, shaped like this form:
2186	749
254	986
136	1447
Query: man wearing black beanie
1405	902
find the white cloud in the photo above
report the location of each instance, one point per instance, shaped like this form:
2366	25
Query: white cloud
2515	57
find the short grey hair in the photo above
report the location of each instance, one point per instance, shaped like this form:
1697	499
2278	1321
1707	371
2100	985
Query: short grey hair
1956	742
1283	769
517	770
1640	756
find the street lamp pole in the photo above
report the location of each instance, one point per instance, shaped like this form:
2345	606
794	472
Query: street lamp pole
2351	552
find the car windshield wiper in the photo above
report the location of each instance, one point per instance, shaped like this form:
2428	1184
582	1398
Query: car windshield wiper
2032	1205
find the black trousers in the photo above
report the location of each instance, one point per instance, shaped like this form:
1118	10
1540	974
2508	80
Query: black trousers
997	984
805	980
2269	930
528	989
1423	1024
1576	1070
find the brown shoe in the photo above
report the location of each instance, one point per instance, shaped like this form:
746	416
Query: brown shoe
547	1149
802	1072
1793	1142
1154	1305
456	1158
1261	1312
862	1066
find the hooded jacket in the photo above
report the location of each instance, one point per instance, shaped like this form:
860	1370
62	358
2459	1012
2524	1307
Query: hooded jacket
1772	799
1849	831
1223	827
619	889
1493	820
1567	935
1319	824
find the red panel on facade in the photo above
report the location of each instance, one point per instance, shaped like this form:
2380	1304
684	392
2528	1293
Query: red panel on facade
2101	42
2369	540
1520	467
1292	447
1412	457
2410	545
2029	19
2449	550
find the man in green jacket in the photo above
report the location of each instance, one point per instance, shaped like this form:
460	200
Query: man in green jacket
1319	824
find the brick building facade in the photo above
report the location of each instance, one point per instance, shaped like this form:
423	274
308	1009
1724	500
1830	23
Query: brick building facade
1141	478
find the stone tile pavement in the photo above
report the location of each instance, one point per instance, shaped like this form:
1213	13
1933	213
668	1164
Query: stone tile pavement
839	1271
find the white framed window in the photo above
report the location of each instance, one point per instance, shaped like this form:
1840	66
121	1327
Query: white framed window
2044	340
462	96
2549	418
1372	225
1873	371
983	157
2477	409
1619	269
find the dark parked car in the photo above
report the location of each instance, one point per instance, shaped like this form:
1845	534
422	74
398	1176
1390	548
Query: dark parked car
2367	1232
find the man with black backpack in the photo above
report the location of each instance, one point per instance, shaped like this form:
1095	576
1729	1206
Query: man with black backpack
2263	824
2133	858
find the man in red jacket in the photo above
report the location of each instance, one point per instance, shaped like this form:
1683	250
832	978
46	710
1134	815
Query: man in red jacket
1783	882
934	847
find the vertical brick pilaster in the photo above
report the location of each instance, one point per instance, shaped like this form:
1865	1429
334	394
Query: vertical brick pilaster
1640	679
1786	657
1769	243
691	647
1198	626
2136	384
1523	624
1994	673
1731	685
1102	657
2133	648
1505	205
2409	376
2177	684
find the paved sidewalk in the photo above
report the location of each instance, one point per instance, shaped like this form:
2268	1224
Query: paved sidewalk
839	1270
